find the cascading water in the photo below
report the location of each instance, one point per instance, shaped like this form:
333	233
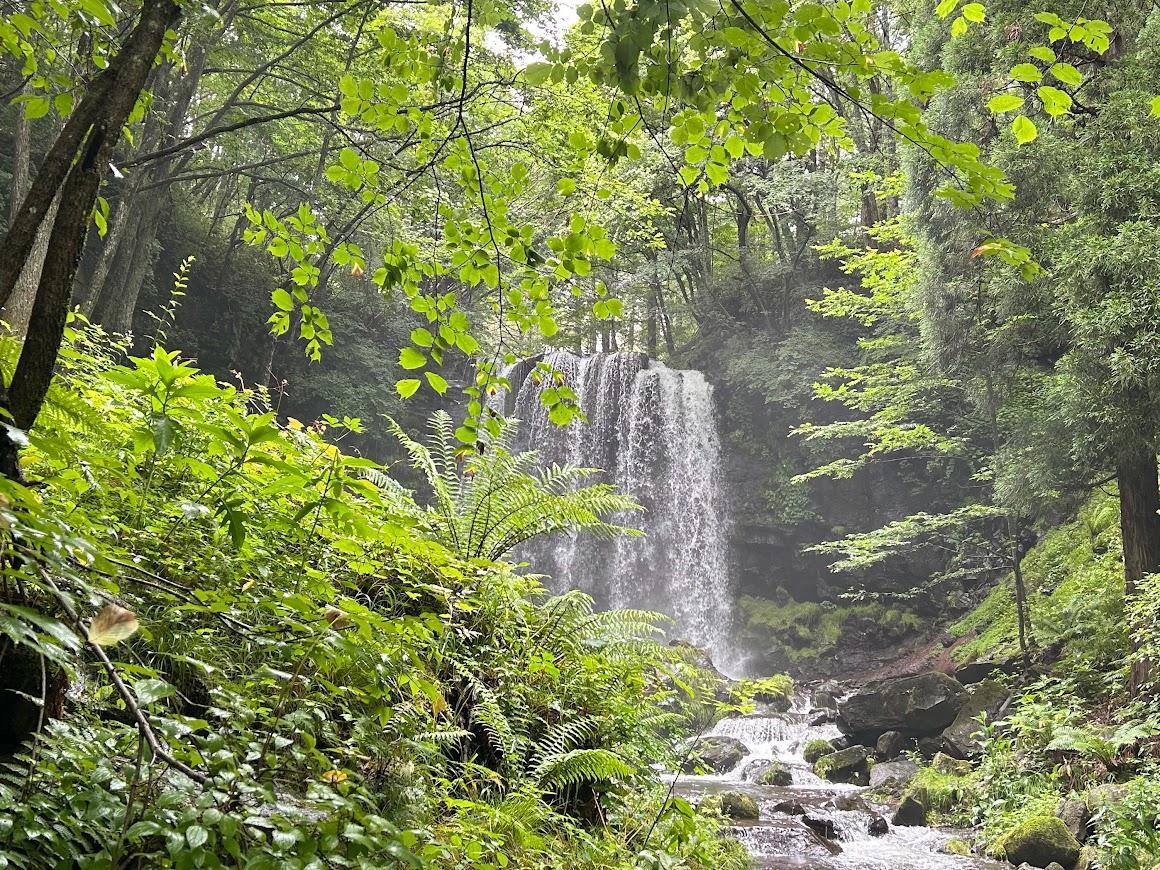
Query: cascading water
785	834
654	432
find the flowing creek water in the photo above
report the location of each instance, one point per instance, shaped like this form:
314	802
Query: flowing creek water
778	839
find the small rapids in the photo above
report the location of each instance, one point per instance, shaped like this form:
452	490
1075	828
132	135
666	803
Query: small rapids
781	840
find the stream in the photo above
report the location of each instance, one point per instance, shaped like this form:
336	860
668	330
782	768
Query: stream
778	839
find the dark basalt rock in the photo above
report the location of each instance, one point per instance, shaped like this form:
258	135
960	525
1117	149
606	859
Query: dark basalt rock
976	672
987	697
916	706
821	826
910	813
718	754
847	765
877	826
892	744
790	808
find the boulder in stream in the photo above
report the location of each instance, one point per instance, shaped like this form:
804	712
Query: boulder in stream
989	698
738	805
1039	840
917	706
847	765
775	773
877	826
910	813
718	754
816	748
821	825
893	774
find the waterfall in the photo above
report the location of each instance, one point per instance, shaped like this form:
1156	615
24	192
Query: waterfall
653	431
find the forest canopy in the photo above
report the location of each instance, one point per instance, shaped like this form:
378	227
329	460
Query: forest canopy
274	275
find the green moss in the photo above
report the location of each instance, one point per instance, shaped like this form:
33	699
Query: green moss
1038	839
812	629
958	847
1075	591
946	797
815	749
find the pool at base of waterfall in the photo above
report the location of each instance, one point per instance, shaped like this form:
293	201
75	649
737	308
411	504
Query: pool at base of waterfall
837	836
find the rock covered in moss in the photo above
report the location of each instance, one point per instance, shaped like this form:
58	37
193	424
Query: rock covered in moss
943	763
957	847
1039	840
1086	860
738	805
717	754
815	749
847	766
775	774
919	705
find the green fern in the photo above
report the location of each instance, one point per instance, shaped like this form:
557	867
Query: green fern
485	505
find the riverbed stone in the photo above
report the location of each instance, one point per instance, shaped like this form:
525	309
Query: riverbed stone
847	766
1039	840
775	773
957	847
1086	860
825	700
738	805
943	763
917	706
893	774
989	698
789	807
910	813
718	754
821	825
877	826
815	749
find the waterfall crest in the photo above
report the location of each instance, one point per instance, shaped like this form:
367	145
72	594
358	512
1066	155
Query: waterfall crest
653	431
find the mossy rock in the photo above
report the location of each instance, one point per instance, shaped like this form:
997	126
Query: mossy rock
738	805
776	774
1038	841
958	847
815	749
847	765
943	763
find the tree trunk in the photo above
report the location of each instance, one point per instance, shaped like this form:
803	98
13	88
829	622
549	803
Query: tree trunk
19	306
1136	475
105	109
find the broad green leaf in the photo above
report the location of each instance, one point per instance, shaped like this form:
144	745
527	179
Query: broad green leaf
282	300
409	358
1005	103
1156	107
1055	101
438	383
151	691
1026	72
1043	53
537	73
422	337
975	12
407	387
1067	74
1024	129
945	8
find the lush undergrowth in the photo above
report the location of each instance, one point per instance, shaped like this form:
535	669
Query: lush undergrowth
1072	741
250	648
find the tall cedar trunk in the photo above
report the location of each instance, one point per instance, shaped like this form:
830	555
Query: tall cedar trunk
105	110
19	306
1136	475
115	307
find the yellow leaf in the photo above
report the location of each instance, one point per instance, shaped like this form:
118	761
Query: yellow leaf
334	777
112	625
